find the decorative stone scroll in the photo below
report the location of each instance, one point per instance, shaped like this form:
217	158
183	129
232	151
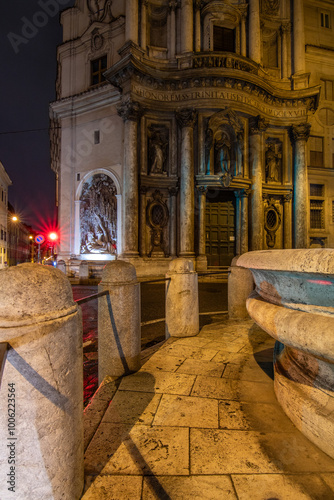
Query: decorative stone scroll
98	216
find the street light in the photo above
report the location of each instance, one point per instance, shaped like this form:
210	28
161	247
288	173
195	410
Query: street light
53	238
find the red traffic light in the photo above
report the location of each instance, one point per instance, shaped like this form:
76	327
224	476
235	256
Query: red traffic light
53	236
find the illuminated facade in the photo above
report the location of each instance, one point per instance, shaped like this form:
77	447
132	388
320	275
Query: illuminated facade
5	182
201	129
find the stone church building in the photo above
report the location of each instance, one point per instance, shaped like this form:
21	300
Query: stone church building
201	129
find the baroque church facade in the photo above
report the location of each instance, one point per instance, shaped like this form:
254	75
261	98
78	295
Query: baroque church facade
200	129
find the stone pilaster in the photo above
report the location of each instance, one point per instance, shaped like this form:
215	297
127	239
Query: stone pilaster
299	135
254	31
285	29
243	36
287	228
173	4
186	118
142	239
130	111
172	222
187	24
131	21
77	235
298	37
143	26
202	190
197	8
244	193
237	222
257	126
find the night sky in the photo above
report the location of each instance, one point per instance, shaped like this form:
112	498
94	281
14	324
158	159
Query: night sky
28	63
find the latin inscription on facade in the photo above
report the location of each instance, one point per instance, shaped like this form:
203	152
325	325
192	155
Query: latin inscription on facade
227	95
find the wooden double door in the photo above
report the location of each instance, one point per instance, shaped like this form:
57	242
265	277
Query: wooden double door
220	227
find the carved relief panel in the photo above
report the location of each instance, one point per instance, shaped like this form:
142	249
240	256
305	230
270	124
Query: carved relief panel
98	216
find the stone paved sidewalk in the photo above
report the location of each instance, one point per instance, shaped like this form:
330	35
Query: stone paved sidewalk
200	421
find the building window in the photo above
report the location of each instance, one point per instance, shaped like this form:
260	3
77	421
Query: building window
325	19
317	204
316	151
98	66
223	39
96	137
158	25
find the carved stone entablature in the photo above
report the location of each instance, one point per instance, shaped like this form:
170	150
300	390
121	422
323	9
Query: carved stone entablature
228	61
300	132
158	141
258	124
130	110
272	222
157	216
186	117
100	10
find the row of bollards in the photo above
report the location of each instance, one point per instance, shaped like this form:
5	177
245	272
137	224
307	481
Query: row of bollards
41	394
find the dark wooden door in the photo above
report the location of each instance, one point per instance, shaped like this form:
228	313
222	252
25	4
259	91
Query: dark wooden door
220	229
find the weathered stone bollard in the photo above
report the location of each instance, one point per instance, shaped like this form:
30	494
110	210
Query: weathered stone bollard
240	285
119	321
182	309
41	395
61	265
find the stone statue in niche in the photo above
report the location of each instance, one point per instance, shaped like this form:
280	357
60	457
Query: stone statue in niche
223	154
157	150
98	216
273	161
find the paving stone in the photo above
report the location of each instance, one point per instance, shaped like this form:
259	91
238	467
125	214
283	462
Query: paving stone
187	411
190	352
189	488
202	367
192	341
212	387
231	415
139	450
280	486
250	371
163	362
160	382
217	451
115	488
229	357
132	407
225	346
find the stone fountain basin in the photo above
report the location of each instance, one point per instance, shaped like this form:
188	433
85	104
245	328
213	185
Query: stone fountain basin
293	302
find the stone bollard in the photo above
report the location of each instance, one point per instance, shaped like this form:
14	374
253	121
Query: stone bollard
83	272
240	286
61	265
119	321
182	309
41	395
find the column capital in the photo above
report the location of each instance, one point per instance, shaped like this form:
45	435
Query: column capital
186	117
198	4
285	27
258	124
244	193
202	189
173	4
299	132
130	110
287	197
242	8
173	191
143	189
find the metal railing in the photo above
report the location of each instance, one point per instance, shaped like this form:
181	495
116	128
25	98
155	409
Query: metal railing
91	297
3	357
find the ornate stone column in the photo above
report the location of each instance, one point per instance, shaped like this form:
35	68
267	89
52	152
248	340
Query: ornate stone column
285	29
172	39
254	31
131	21
143	28
186	118
298	37
172	222
142	239
197	7
130	111
244	220
299	135
257	126
287	228
187	24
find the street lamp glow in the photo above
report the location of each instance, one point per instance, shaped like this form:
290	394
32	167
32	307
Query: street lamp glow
14	218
